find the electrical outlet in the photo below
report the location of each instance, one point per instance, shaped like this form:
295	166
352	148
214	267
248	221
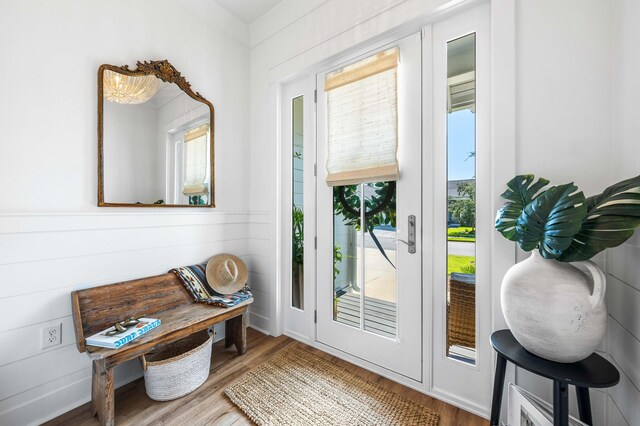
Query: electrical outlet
51	335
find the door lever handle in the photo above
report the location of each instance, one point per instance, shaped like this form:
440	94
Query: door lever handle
411	243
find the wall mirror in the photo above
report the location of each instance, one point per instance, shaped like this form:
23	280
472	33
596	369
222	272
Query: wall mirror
155	139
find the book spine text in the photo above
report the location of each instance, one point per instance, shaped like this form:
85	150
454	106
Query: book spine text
138	333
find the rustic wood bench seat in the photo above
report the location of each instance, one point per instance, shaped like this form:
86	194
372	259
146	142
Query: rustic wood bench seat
164	297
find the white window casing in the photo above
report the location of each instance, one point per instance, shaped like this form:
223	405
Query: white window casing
195	161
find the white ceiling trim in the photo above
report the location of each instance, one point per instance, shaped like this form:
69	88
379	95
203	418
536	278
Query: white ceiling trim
217	15
280	16
248	10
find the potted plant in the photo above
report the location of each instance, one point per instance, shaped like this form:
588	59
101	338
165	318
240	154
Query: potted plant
553	302
298	257
337	258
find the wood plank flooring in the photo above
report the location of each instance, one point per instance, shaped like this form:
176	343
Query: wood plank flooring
208	405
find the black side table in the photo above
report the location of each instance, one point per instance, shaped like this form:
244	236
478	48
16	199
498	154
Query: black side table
593	372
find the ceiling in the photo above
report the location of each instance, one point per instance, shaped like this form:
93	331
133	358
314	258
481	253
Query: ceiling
248	10
166	92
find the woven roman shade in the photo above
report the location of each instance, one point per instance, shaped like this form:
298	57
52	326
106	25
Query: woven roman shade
362	120
195	161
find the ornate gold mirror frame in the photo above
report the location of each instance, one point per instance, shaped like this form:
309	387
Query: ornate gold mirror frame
169	74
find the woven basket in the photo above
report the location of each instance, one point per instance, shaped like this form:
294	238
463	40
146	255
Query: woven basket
461	311
177	369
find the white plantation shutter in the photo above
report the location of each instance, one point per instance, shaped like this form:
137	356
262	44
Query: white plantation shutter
195	161
362	118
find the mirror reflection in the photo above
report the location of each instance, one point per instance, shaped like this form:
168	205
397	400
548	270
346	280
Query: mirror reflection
156	141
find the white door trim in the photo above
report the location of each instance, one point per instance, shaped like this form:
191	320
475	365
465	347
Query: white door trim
298	323
451	378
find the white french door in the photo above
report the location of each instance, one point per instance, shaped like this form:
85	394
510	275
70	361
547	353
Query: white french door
369	247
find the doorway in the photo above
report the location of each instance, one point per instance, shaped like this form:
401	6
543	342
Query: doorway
396	278
369	285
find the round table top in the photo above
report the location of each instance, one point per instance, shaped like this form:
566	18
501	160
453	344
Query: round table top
592	372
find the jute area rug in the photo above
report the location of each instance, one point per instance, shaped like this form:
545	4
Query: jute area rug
297	387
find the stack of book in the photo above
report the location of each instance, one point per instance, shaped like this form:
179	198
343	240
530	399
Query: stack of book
117	340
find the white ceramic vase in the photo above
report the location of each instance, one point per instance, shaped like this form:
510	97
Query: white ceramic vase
555	310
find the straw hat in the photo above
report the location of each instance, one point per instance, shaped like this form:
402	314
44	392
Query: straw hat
226	273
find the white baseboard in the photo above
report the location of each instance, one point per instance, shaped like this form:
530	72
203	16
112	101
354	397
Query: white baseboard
259	323
462	403
58	397
265	332
297	336
36	405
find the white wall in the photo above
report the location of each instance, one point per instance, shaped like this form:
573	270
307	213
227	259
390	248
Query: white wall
582	58
563	101
623	280
53	238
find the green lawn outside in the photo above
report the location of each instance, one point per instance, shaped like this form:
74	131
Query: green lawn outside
462	239
463	234
456	263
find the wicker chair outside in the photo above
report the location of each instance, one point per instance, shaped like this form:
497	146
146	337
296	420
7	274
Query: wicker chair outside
461	312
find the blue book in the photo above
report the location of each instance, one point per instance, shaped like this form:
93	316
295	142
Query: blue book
117	340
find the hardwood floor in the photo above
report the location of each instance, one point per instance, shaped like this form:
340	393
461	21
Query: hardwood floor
208	405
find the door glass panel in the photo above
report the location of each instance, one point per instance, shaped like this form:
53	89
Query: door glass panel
347	255
297	249
461	196
381	287
365	282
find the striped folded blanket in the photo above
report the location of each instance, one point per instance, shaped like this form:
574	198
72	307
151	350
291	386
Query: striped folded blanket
194	279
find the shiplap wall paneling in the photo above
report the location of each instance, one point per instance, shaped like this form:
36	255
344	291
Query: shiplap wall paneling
260	263
614	416
626	397
623	262
73	251
623	329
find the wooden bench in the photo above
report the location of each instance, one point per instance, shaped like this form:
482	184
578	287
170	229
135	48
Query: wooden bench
163	296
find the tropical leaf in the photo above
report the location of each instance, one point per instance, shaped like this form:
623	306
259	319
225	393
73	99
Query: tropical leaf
520	193
551	220
611	219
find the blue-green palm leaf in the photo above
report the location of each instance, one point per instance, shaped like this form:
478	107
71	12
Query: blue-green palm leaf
551	220
611	220
521	192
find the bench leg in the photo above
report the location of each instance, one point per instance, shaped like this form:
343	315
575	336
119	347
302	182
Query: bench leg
102	401
235	333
